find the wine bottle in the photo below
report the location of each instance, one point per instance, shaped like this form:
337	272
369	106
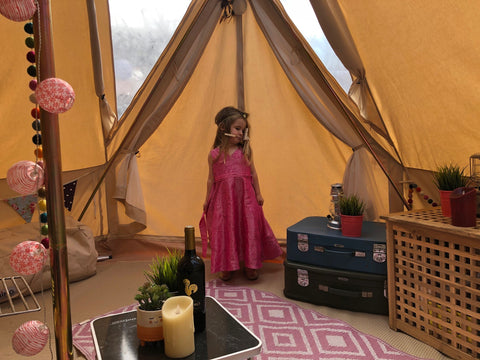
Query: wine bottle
191	278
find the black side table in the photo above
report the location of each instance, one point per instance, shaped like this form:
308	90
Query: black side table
224	337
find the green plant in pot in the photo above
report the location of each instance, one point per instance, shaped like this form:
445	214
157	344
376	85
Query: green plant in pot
351	215
448	178
163	270
150	299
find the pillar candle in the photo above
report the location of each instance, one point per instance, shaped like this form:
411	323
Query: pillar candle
178	329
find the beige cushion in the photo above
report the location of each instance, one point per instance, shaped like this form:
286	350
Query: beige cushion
82	256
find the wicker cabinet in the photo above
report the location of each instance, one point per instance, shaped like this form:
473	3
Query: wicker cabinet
434	281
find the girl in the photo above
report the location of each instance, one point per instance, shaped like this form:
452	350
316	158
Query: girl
233	217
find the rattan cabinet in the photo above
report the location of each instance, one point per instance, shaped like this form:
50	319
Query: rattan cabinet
434	281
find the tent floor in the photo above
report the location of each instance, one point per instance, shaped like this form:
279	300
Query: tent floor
116	282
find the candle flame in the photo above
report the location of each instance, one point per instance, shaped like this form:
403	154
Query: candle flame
177	310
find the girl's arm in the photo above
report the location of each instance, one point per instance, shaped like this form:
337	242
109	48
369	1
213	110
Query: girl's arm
209	182
255	183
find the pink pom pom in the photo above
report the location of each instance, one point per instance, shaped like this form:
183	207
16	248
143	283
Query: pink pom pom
28	257
25	177
30	338
17	10
55	95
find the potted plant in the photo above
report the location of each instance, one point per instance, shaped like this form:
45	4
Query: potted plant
150	299
351	215
448	178
163	270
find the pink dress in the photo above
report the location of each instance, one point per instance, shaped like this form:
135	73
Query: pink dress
234	223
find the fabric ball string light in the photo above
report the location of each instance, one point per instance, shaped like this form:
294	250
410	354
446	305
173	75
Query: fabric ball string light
25	177
55	95
17	10
28	257
30	338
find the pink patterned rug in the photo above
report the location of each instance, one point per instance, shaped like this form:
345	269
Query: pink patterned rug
287	331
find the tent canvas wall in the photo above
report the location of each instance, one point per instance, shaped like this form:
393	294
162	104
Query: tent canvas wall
302	121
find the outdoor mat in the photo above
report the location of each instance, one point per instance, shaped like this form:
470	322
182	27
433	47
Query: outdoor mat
287	331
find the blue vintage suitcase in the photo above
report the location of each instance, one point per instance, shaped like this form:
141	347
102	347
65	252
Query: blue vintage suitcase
341	289
311	242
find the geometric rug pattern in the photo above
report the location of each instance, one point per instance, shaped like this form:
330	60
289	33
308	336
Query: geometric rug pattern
287	331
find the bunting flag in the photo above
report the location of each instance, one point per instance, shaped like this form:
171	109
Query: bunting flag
68	194
24	206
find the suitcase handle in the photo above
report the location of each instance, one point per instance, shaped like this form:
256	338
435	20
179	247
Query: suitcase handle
337	251
348	252
341	292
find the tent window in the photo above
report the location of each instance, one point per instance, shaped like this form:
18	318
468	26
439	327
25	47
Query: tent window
303	16
141	32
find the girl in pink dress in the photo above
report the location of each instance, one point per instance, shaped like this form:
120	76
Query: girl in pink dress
233	221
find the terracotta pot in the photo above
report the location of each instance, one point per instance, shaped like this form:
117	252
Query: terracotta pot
445	202
149	325
351	225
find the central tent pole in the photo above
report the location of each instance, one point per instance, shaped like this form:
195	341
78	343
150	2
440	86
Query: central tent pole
54	189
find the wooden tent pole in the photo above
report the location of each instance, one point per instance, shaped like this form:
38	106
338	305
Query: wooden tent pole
54	190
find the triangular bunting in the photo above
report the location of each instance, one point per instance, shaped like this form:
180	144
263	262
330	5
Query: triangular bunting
24	206
68	194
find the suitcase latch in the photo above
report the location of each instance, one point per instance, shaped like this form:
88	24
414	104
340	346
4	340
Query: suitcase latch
379	253
302	277
302	242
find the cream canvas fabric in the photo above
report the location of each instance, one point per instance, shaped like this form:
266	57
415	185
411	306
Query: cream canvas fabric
414	96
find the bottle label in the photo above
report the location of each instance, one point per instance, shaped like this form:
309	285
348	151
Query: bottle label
189	288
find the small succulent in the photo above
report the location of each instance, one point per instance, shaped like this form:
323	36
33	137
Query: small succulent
163	270
351	205
449	177
152	296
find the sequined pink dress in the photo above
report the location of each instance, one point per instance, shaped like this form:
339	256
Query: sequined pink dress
234	223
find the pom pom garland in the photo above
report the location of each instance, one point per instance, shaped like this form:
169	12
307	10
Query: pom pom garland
32	84
38	152
414	188
42	205
32	70
30	42
35	112
45	242
31	56
37	139
36	125
55	95
28	257
17	10
28	28
30	338
25	177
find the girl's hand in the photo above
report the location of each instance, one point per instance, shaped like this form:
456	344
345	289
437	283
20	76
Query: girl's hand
205	205
260	199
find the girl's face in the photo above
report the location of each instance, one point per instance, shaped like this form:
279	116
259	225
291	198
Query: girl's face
238	129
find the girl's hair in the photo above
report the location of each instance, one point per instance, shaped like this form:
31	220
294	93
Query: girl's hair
224	120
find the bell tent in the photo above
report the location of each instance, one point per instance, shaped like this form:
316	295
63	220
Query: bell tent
412	105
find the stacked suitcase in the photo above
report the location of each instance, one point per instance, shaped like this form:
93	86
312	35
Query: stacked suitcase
325	268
